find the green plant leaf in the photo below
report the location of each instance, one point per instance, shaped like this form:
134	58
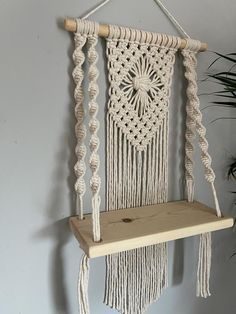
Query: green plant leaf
225	96
221	56
226	57
227	103
226	73
226	81
232	170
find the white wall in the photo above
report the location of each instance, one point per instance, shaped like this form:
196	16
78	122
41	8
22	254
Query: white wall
39	258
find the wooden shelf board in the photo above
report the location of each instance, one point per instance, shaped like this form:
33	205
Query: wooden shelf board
131	228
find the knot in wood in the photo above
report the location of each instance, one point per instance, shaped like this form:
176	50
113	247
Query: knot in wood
127	220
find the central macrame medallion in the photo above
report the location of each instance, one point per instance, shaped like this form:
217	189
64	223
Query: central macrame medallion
139	86
137	155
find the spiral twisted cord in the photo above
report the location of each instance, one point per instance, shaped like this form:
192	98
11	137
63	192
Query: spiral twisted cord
80	129
94	161
190	63
189	150
194	122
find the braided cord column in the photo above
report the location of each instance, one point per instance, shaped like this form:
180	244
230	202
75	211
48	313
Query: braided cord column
80	167
94	161
88	33
80	130
194	120
190	63
189	149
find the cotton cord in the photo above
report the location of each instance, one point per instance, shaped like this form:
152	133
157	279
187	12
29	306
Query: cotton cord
158	2
143	37
87	34
204	266
92	11
140	71
137	155
190	63
194	123
172	18
80	130
83	286
94	162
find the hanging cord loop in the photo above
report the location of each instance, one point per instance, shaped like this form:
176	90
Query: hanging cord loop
164	9
172	18
95	9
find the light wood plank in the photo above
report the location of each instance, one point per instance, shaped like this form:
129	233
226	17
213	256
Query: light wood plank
132	228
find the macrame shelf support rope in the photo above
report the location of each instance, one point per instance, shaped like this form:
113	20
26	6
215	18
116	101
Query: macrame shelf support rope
134	240
194	123
90	30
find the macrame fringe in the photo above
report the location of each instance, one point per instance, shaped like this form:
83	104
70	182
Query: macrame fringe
136	278
83	285
204	266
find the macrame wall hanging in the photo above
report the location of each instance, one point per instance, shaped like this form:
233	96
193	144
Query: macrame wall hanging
134	240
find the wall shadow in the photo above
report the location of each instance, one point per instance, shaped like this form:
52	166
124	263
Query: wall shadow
59	230
178	262
177	161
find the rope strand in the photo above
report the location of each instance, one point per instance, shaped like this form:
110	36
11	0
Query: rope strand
194	121
94	161
80	130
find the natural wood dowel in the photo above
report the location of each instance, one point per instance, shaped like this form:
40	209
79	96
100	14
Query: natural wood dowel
71	26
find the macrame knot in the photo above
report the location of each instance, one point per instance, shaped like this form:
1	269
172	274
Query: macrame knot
78	58
80	186
95	183
80	132
94	163
92	56
77	75
80	168
93	108
94	143
93	125
87	27
142	83
209	175
79	112
80	151
93	74
93	90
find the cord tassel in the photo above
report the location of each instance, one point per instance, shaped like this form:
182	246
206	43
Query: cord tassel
204	266
194	119
83	285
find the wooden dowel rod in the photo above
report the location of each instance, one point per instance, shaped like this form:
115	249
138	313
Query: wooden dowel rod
71	26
